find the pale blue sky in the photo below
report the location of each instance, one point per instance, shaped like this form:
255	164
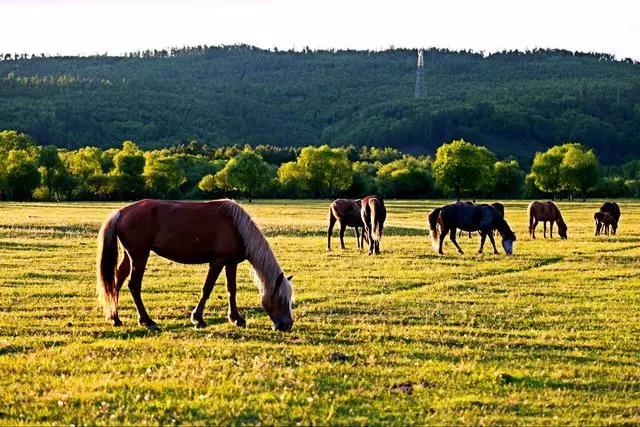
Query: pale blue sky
117	26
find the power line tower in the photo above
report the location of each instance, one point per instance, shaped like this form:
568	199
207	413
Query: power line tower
421	89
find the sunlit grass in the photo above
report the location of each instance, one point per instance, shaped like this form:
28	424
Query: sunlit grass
549	335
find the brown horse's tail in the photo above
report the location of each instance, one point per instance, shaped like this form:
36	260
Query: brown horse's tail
531	215
433	227
376	226
106	260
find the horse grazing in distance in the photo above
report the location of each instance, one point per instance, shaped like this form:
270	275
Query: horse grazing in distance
612	209
373	215
482	218
218	232
546	212
604	220
348	213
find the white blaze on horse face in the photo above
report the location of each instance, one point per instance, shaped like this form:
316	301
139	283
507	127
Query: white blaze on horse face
508	246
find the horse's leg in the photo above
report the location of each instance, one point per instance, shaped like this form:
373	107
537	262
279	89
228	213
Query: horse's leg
443	234
332	222
544	229
493	243
482	239
551	230
595	231
357	237
377	248
534	224
455	242
138	264
367	228
343	227
124	269
209	282
233	316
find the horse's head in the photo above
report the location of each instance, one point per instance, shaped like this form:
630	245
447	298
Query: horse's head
562	230
277	303
508	237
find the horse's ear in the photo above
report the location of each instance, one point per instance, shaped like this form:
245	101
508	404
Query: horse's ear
290	277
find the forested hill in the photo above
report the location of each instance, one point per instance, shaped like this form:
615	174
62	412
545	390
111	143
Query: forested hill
514	103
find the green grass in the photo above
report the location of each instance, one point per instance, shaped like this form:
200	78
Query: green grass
550	335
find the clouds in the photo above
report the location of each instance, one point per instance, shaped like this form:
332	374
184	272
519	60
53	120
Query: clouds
97	26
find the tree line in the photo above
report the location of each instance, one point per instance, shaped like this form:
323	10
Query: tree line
514	103
196	171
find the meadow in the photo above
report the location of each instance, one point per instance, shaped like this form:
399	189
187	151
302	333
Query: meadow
550	335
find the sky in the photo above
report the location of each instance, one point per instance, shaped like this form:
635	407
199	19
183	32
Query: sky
119	26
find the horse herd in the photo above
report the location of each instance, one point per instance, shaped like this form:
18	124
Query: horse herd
222	234
369	213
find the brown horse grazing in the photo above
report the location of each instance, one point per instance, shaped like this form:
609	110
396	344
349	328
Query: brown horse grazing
373	215
546	212
219	233
348	213
612	209
604	220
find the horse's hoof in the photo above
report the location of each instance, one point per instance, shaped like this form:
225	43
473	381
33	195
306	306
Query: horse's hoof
239	322
200	325
116	322
149	324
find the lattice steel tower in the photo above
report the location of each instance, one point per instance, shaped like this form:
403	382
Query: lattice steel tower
421	89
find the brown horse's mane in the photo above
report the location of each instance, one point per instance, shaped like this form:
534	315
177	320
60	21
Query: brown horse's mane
266	269
559	219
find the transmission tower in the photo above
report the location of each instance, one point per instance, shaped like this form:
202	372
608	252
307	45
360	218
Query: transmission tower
421	89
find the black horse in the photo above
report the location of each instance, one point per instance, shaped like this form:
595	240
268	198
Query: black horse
482	218
612	209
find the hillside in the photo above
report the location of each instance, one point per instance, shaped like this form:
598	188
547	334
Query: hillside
515	103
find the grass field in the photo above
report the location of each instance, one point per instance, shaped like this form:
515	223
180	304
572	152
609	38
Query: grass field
550	335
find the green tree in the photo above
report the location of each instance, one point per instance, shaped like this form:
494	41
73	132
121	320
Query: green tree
326	171
580	169
364	179
408	177
546	170
509	179
21	174
247	173
208	183
129	167
292	180
463	167
50	165
163	173
14	140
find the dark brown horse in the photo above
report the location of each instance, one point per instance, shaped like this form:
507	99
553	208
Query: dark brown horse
604	221
373	215
219	233
612	209
348	213
546	212
482	218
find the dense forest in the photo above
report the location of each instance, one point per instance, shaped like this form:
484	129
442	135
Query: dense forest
514	103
